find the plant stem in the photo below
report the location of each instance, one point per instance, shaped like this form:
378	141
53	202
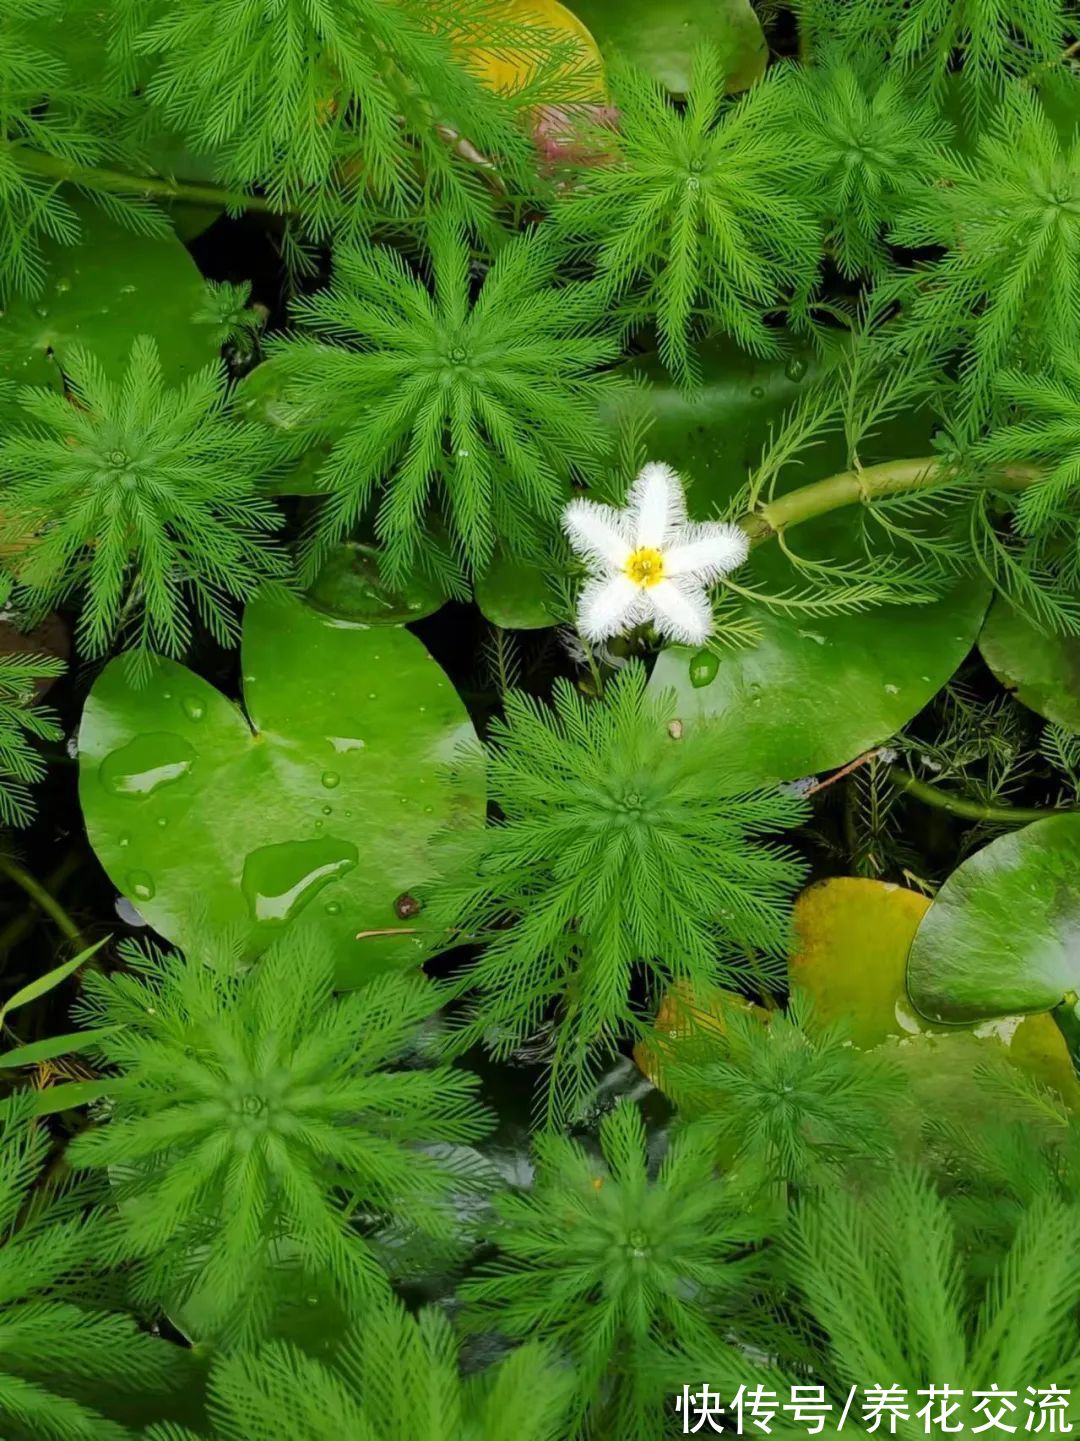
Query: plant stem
875	482
119	182
41	897
970	810
22	924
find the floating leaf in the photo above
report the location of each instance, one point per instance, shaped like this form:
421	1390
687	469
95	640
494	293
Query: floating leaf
102	293
1042	670
517	595
326	803
661	37
852	941
684	1013
507	72
350	585
813	691
1003	934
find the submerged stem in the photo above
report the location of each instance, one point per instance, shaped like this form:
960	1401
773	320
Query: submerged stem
970	810
41	897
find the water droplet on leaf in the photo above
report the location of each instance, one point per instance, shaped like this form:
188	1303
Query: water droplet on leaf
141	885
278	881
795	369
703	668
758	392
344	744
146	764
194	708
330	779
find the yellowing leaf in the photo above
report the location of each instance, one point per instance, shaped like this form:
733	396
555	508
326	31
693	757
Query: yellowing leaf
509	72
852	943
683	1013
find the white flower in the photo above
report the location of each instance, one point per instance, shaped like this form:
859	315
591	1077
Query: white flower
649	564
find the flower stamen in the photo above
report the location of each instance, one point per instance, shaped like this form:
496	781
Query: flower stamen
645	566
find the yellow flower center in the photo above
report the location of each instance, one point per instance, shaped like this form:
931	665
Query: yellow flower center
645	566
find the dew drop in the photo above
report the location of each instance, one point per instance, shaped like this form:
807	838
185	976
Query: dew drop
63	285
141	885
757	392
146	764
344	744
795	369
333	908
125	841
330	779
163	821
892	690
703	668
194	708
327	810
279	880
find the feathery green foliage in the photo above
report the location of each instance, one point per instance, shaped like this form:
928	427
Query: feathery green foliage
989	42
56	1339
256	1118
52	126
330	107
698	219
613	1263
620	846
395	1377
883	1278
789	1100
142	498
20	722
873	145
1045	432
1007	290
479	407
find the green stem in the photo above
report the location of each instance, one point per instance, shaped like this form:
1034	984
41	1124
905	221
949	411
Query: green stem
41	897
119	182
23	923
972	810
875	482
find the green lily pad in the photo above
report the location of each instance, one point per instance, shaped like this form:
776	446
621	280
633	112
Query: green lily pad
661	37
102	293
1003	934
260	398
323	799
1041	670
517	595
812	692
350	585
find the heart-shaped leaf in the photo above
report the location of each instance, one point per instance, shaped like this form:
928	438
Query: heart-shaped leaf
813	691
102	293
661	37
1043	670
323	798
1003	934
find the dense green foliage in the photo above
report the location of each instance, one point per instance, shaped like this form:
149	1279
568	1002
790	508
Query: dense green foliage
544	904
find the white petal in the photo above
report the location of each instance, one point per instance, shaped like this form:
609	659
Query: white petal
681	611
707	551
597	532
656	506
608	607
